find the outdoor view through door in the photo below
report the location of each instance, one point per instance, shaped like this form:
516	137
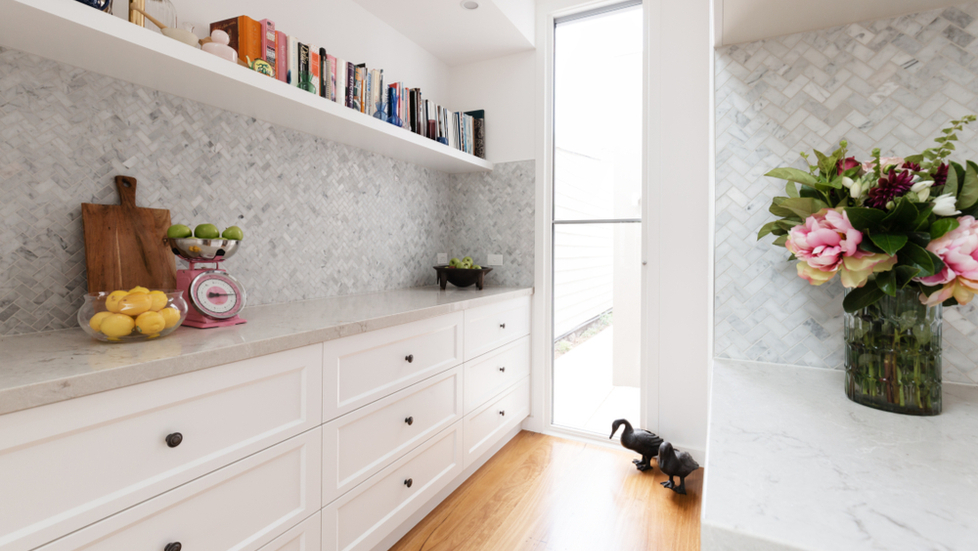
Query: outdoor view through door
597	218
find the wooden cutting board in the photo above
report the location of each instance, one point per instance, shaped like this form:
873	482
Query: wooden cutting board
124	244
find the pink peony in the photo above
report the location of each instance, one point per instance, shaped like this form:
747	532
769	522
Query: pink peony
885	161
826	243
959	251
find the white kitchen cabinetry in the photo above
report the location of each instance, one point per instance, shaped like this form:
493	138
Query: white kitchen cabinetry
332	446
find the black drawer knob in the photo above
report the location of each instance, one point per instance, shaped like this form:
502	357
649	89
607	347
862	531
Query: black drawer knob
502	369
409	421
175	546
409	482
409	358
173	440
502	326
502	412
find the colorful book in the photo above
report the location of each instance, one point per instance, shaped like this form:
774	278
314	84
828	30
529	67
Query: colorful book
245	36
268	43
351	75
327	88
305	74
315	77
281	56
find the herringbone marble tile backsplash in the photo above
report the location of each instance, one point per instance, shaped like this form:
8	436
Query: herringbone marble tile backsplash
891	84
320	218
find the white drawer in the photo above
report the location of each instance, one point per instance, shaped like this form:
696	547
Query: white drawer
363	368
361	443
307	536
360	519
491	326
241	507
488	375
487	424
75	462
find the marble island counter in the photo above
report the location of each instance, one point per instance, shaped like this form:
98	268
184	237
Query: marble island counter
44	368
792	464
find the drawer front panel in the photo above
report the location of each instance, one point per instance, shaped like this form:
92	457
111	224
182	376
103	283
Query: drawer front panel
363	517
307	536
84	459
490	374
241	507
491	326
486	425
361	443
363	368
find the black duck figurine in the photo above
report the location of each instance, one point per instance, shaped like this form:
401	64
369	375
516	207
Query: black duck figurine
639	441
676	463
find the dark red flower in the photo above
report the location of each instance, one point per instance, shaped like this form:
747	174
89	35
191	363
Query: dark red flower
911	166
893	185
847	163
940	176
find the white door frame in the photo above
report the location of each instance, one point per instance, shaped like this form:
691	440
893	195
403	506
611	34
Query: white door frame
540	417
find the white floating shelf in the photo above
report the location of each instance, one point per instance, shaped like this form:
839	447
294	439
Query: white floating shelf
73	33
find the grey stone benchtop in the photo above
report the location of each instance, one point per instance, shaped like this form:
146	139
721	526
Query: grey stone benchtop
50	367
791	463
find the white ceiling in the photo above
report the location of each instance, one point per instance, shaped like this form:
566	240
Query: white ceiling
741	21
457	35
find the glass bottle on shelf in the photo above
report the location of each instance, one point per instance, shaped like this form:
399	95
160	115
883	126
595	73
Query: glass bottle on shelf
163	11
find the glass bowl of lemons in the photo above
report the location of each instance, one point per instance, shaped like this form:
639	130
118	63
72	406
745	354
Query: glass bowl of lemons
138	314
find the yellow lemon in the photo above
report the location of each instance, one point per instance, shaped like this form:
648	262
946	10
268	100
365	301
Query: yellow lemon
96	320
117	325
135	303
171	316
112	301
159	300
139	289
150	323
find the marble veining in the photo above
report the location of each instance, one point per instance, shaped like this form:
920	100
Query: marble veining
793	464
43	368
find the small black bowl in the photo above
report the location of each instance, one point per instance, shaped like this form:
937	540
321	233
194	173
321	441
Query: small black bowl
460	277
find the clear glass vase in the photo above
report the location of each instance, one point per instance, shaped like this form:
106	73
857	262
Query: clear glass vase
893	355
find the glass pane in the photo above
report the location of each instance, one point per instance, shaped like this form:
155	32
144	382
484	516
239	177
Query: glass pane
597	325
598	117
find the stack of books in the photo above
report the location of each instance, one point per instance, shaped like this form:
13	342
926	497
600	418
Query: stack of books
314	70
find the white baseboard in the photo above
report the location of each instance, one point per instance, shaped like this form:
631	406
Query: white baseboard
428	507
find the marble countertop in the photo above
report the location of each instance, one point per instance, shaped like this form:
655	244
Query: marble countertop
793	464
50	367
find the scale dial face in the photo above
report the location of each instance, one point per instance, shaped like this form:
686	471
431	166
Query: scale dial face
216	294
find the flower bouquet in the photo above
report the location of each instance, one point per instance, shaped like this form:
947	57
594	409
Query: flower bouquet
902	235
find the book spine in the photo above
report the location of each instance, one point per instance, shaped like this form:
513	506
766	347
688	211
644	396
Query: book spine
341	81
269	53
281	56
432	124
229	26
315	75
293	61
414	109
368	92
351	76
329	75
479	137
304	73
249	40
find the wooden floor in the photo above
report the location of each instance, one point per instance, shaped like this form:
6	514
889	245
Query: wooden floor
541	493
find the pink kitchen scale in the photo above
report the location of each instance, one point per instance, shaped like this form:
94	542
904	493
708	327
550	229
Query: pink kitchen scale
216	297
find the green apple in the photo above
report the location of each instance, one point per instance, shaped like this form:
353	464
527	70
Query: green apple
454	262
476	267
179	231
207	231
467	260
233	233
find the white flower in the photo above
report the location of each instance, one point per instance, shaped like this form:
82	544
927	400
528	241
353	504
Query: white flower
944	205
922	189
856	190
847	182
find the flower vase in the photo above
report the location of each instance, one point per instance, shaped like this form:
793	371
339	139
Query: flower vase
893	354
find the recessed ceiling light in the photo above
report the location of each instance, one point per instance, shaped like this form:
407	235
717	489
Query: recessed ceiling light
470	4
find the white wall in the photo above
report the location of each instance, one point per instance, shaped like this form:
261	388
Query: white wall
504	87
343	27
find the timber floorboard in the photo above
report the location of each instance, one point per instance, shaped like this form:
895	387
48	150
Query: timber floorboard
542	493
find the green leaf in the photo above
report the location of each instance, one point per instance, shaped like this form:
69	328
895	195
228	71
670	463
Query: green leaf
942	226
793	175
766	229
904	275
802	206
779	211
791	189
788	223
923	217
951	186
914	255
916	159
857	299
781	240
863	218
890	243
886	281
969	189
920	238
903	214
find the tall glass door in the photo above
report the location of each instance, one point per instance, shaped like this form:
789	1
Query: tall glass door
597	218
